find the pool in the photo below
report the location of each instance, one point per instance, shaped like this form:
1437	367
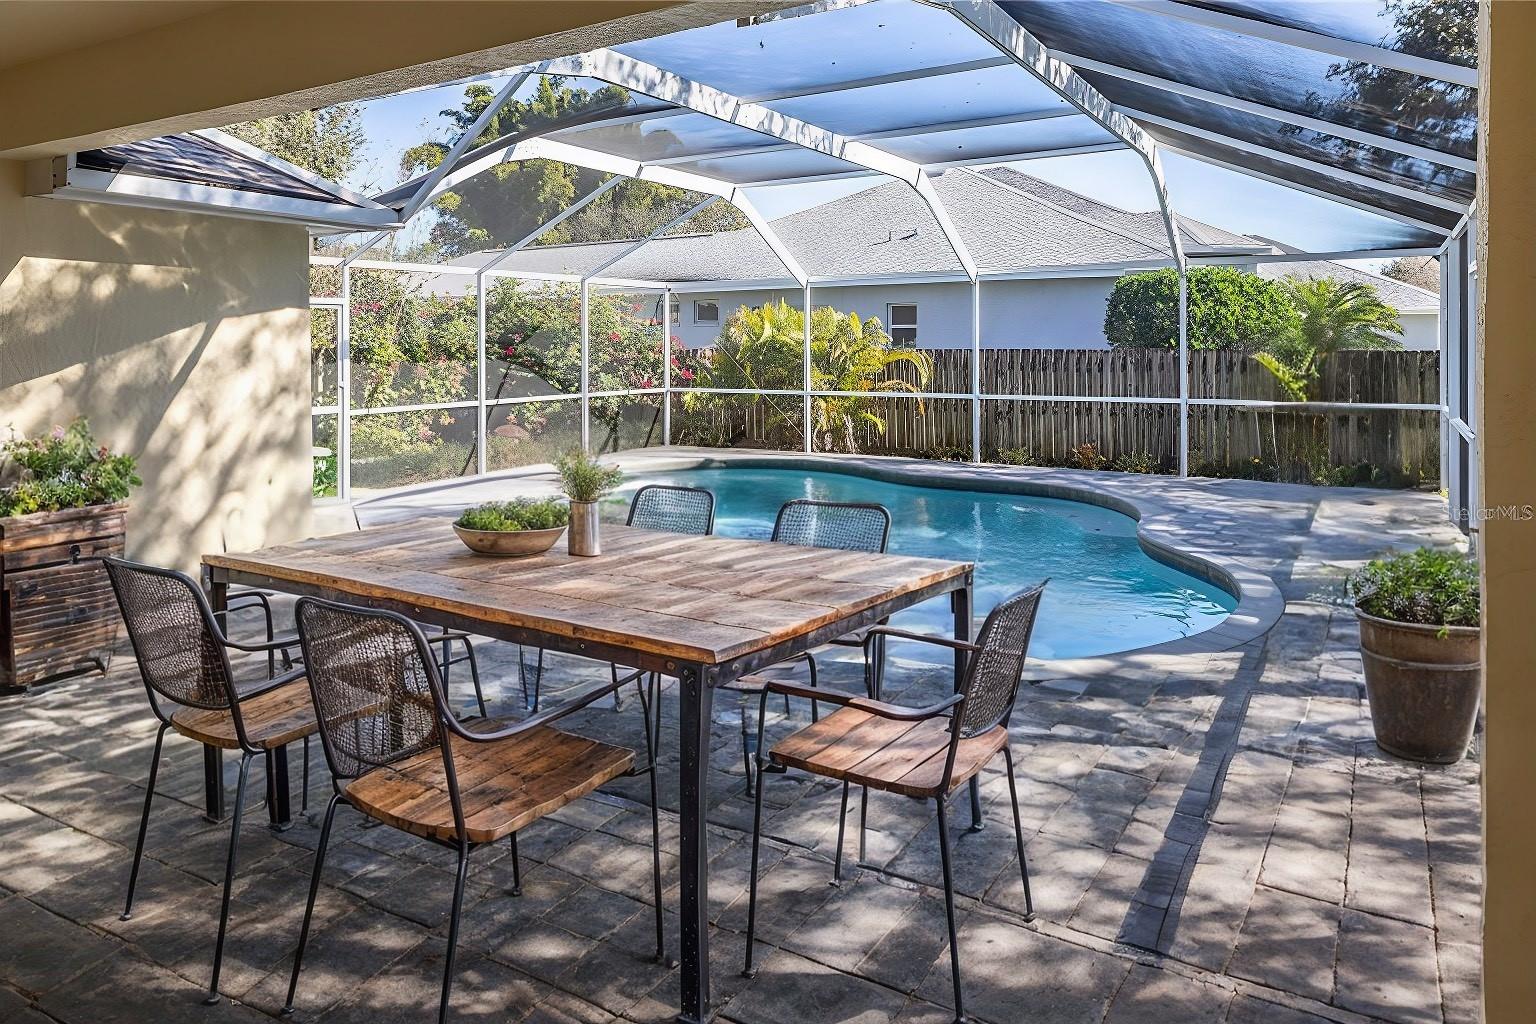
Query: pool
1106	593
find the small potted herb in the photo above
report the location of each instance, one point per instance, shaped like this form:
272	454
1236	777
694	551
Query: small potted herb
1419	617
584	480
526	526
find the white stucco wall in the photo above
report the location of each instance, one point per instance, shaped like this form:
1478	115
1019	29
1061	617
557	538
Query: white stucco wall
1058	313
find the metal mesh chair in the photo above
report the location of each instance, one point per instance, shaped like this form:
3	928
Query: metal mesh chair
846	526
399	756
907	754
183	658
674	509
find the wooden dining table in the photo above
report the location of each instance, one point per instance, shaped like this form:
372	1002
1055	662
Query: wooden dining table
701	610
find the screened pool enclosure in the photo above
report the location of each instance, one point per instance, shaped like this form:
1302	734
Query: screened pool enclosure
1340	131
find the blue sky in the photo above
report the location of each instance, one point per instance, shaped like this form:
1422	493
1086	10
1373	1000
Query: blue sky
1207	193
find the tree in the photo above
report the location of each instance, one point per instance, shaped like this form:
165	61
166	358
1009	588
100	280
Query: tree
326	141
1332	316
762	349
511	199
1419	271
1228	309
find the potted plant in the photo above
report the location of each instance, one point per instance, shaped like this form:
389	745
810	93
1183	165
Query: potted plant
584	480
526	526
61	496
1418	617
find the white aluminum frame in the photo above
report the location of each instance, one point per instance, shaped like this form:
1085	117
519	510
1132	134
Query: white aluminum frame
1015	46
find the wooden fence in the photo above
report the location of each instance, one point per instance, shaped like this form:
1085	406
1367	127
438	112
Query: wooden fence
1390	447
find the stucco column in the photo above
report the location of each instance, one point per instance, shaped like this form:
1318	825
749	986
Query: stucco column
1506	432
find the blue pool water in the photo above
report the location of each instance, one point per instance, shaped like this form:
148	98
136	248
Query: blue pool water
1106	593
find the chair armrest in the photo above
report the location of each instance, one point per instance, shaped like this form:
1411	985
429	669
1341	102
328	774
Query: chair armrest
268	685
455	727
789	689
902	634
904	714
282	643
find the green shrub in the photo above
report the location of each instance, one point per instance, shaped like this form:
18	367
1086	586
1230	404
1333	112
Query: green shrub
1228	309
517	515
67	469
1430	587
583	478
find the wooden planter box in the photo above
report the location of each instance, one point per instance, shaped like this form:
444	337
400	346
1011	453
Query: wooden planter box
57	617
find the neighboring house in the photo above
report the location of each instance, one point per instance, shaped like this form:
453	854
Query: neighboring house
1062	253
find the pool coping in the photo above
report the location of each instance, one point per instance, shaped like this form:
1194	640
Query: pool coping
1259	601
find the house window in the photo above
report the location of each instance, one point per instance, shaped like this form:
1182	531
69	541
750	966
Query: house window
675	311
706	311
901	322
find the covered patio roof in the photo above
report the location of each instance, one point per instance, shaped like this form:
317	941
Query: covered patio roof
1335	102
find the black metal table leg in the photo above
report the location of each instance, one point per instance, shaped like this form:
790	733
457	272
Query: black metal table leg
279	810
696	697
962	601
213	758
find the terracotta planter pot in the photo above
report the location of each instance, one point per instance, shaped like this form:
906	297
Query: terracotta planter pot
582	537
1423	688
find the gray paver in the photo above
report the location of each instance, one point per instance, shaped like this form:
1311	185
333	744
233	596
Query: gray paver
1225	807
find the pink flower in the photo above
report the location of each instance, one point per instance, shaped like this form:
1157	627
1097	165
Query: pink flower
510	350
637	307
613	335
685	373
57	433
517	337
647	383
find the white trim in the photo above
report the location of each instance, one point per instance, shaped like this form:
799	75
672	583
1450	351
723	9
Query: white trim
1269	113
1305	39
1327	170
1311	257
1032	154
127	189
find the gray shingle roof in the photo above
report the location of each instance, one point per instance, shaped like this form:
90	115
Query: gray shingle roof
1009	221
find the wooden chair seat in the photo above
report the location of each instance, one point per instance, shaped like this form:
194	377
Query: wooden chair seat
898	757
503	785
274	719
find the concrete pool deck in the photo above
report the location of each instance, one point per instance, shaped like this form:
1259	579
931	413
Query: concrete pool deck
1212	835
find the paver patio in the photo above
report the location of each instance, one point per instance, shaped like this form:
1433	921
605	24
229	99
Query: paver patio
1212	837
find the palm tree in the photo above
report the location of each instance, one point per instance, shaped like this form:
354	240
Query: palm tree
1333	315
762	349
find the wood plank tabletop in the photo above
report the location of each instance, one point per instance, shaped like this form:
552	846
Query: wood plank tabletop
702	599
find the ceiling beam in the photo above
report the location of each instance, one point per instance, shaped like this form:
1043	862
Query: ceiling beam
1305	39
1270	113
1327	170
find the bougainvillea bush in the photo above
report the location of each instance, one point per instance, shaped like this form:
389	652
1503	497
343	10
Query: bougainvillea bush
412	347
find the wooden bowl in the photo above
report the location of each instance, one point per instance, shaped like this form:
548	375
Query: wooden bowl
508	544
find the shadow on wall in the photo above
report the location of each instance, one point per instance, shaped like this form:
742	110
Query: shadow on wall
184	339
